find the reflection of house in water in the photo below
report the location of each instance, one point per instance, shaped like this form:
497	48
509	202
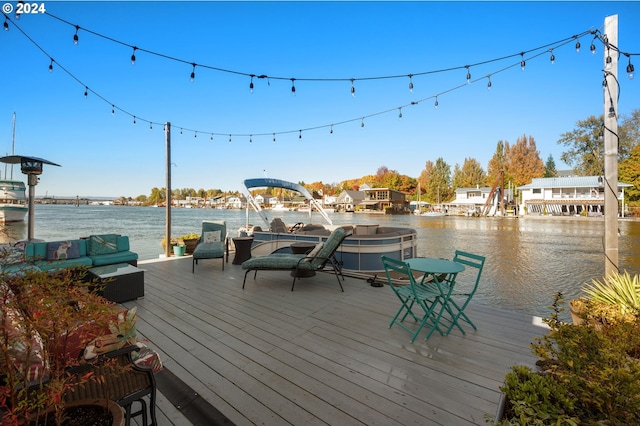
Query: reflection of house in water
579	195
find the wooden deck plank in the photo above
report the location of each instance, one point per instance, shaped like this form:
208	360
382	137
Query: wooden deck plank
266	355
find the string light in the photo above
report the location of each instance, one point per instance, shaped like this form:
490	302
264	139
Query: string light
113	109
193	72
293	86
552	58
133	56
523	63
51	65
251	84
352	80
150	126
592	48
577	44
86	92
6	24
250	138
400	114
211	138
195	134
608	62
75	36
630	69
274	138
468	74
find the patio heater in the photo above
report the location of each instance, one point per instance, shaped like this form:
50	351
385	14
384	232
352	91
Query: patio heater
32	167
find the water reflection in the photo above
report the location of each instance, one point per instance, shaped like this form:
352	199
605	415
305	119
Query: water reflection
528	260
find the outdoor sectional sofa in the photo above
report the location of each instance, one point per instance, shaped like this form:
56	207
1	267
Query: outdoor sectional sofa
95	250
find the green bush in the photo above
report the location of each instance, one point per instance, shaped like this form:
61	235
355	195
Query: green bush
586	375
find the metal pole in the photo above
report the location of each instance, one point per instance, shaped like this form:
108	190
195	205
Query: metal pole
611	146
32	180
167	136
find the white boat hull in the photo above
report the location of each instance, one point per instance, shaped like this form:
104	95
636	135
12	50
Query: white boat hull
13	203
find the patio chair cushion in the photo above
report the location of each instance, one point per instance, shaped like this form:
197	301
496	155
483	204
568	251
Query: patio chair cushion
209	250
277	261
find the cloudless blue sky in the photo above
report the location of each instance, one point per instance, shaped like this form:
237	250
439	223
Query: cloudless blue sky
107	155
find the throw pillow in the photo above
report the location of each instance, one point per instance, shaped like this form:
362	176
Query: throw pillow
103	244
211	237
61	250
314	252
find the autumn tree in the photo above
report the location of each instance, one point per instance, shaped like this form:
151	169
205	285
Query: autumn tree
470	175
585	144
523	161
497	163
629	172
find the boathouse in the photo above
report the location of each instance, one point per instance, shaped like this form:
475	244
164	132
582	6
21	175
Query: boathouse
566	196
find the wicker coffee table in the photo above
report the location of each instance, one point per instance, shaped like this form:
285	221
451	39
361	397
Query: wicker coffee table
122	281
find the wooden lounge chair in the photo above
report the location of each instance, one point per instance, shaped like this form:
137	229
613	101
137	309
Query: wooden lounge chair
317	259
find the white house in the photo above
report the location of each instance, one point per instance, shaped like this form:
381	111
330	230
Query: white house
577	195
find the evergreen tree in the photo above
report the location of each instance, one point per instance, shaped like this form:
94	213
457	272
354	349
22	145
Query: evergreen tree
550	168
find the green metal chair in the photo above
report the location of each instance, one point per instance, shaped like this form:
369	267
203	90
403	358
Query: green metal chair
432	297
464	289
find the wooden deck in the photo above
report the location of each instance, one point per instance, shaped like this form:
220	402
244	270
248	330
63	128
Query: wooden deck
266	355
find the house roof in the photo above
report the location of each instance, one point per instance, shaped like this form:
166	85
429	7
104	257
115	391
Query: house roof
568	182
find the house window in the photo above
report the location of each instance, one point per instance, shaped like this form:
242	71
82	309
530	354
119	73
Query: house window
536	191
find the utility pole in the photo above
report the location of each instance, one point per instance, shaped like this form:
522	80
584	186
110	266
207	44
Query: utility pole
611	145
167	220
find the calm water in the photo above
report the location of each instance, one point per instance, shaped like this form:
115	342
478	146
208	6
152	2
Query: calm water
528	260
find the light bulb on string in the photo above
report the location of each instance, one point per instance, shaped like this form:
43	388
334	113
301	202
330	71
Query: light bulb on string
6	24
300	134
293	86
523	63
113	109
133	55
410	83
150	126
353	89
86	92
468	74
51	65
75	36
331	130
193	73
435	105
211	138
229	138
608	63
134	119
400	113
195	134
552	58
251	84
630	69
577	45
592	48
250	138
274	138
489	82
180	130
362	122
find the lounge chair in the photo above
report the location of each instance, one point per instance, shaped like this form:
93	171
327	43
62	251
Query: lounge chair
212	244
320	257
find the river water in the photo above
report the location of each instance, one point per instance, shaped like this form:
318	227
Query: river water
528	259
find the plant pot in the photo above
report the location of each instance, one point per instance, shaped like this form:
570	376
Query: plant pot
178	250
577	312
88	411
190	245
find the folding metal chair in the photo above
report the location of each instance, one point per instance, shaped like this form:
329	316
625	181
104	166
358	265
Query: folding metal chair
464	291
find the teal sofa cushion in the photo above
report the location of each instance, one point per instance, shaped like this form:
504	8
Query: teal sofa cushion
103	244
113	258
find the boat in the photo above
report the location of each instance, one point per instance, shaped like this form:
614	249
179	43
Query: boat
280	208
359	255
13	200
437	210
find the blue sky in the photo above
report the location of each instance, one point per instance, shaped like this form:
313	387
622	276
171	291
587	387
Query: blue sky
107	155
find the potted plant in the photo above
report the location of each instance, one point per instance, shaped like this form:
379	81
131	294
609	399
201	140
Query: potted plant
584	375
616	298
190	241
46	321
